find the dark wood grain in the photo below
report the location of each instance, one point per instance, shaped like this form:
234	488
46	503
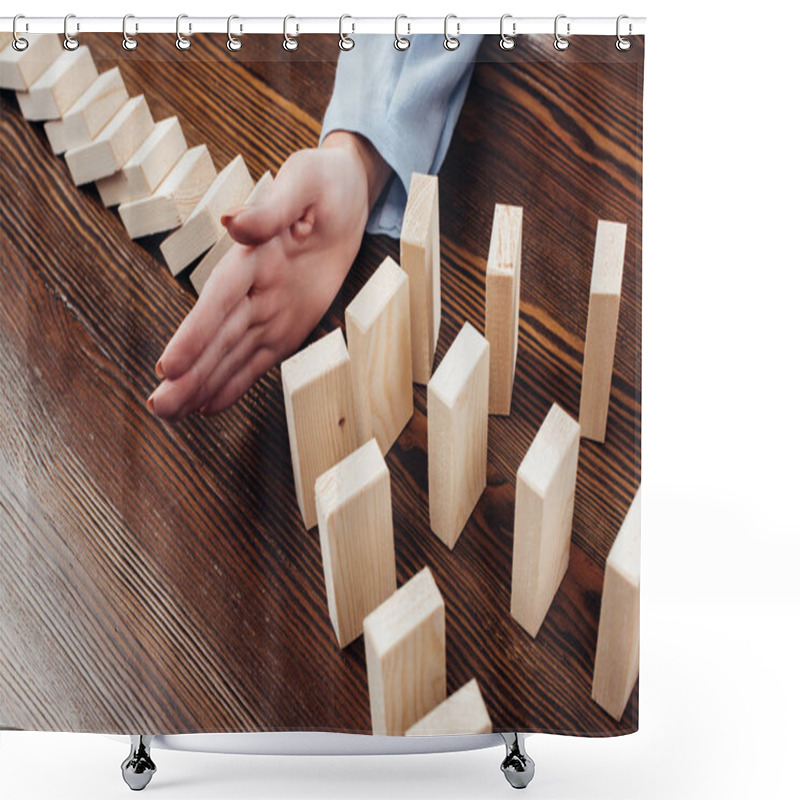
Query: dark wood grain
157	577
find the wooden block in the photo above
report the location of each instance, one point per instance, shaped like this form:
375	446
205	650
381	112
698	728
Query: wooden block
419	257
90	113
544	503
202	272
320	414
616	664
601	328
503	269
6	37
174	199
203	228
148	166
354	509
60	86
114	145
458	420
404	640
20	69
378	326
464	712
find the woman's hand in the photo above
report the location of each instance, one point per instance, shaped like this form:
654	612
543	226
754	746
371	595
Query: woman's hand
295	247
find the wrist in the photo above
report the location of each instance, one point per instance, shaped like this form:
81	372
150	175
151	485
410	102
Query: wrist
376	170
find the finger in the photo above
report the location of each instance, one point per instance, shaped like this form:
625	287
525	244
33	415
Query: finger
284	202
200	325
262	361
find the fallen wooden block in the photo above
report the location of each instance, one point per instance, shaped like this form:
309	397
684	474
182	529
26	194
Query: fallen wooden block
616	664
203	228
503	269
464	712
114	145
90	113
458	420
354	509
174	199
601	328
378	326
6	37
544	503
320	414
202	272
59	86
419	257
147	167
404	640
20	69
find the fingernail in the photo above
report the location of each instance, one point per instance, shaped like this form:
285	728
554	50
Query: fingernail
150	405
160	370
231	214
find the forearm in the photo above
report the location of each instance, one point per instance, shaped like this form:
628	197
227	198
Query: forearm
376	170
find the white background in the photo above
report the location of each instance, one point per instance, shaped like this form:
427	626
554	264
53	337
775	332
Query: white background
719	691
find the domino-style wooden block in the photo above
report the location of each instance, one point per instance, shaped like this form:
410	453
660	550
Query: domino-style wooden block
174	199
147	167
601	328
458	421
202	272
320	414
464	712
404	640
545	498
203	228
378	323
59	86
616	664
89	114
503	268
114	145
419	257
354	509
6	37
20	69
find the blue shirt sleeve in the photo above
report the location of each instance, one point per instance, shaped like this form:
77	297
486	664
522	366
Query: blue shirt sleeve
406	103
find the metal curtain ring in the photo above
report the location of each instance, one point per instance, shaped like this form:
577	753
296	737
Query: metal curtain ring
560	43
233	43
345	42
289	42
401	42
623	44
451	42
19	43
128	42
70	43
181	42
507	42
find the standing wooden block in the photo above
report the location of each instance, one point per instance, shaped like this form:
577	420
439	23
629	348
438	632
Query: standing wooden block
404	640
174	199
464	712
354	509
601	328
203	228
202	272
59	86
419	257
114	145
6	37
545	499
147	167
616	664
378	326
20	69
320	414
503	269
90	113
458	421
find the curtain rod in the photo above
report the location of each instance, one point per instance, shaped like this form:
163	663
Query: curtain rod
295	25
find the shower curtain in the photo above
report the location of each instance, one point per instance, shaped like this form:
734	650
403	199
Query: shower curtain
320	385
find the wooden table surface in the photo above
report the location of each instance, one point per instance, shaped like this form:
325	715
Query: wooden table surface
157	577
